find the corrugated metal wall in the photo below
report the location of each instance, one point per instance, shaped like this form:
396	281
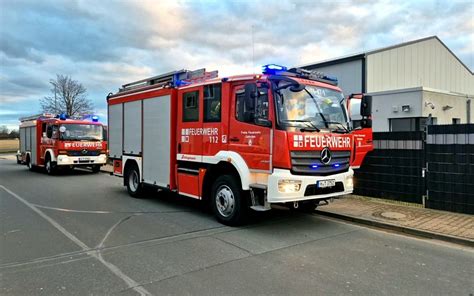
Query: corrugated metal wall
348	74
427	63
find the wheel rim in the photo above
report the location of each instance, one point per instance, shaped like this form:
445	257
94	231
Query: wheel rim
48	166
133	180
225	201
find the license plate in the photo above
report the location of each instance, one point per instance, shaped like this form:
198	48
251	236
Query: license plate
326	183
84	158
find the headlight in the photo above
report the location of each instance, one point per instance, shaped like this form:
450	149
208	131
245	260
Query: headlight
289	186
349	182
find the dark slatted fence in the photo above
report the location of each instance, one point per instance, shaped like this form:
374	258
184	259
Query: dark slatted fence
396	168
450	174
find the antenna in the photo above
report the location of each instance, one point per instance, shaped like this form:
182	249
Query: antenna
253	52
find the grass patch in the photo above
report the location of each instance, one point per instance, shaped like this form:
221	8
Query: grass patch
9	145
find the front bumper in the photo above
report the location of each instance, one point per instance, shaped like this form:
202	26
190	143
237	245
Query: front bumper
85	161
308	184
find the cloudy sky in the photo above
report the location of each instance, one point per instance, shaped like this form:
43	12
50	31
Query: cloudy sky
104	44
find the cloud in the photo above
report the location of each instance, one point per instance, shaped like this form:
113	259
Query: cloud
104	44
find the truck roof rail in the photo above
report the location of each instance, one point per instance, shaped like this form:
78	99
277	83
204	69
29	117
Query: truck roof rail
174	78
37	116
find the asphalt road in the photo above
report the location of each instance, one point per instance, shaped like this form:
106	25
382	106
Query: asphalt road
81	234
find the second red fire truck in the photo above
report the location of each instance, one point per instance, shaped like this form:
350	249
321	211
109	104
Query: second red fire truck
54	142
240	142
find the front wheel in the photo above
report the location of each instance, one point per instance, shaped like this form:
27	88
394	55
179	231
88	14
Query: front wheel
50	166
134	186
96	168
228	201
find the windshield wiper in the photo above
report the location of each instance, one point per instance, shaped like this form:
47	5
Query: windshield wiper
312	127
345	129
317	106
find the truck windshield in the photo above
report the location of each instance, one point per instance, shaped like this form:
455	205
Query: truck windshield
311	108
73	132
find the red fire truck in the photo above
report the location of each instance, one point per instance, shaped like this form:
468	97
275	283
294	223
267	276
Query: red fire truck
240	142
56	142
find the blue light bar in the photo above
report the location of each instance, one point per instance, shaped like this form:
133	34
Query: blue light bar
63	116
330	78
314	166
95	118
336	165
273	68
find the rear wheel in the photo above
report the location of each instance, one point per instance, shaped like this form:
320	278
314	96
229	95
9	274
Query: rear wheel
134	186
28	163
228	201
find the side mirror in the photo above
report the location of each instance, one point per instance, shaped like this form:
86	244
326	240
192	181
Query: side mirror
250	96
366	123
49	133
366	106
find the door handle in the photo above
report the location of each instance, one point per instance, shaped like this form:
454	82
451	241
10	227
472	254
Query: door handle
234	139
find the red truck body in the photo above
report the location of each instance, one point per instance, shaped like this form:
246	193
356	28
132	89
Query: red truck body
55	141
235	140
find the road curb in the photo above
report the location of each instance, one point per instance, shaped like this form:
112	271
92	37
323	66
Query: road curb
398	228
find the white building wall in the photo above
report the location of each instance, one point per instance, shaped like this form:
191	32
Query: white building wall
426	63
387	105
440	99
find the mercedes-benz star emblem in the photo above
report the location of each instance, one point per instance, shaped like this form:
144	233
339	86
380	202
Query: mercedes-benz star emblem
325	155
84	151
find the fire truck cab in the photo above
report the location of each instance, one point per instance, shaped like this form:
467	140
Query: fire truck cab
54	142
248	141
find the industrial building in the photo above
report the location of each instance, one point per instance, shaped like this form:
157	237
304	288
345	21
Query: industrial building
413	84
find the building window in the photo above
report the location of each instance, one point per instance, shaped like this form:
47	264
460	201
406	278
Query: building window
212	103
191	106
410	124
456	120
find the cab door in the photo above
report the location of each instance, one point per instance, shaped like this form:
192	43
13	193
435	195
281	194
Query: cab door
363	138
250	128
189	129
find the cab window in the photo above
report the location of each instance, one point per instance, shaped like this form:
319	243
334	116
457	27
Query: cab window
245	113
212	103
191	106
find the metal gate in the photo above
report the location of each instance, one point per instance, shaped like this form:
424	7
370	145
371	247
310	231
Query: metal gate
434	168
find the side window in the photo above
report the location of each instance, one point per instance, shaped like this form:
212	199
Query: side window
49	131
212	103
261	109
240	105
55	131
244	113
191	106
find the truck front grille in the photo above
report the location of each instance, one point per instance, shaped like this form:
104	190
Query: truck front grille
81	153
309	163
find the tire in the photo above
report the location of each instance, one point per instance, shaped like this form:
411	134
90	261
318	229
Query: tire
29	164
18	161
228	201
134	186
96	169
49	166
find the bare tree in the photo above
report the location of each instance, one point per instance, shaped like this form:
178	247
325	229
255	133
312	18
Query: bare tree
67	96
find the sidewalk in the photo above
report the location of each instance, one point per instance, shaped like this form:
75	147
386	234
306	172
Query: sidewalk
403	217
